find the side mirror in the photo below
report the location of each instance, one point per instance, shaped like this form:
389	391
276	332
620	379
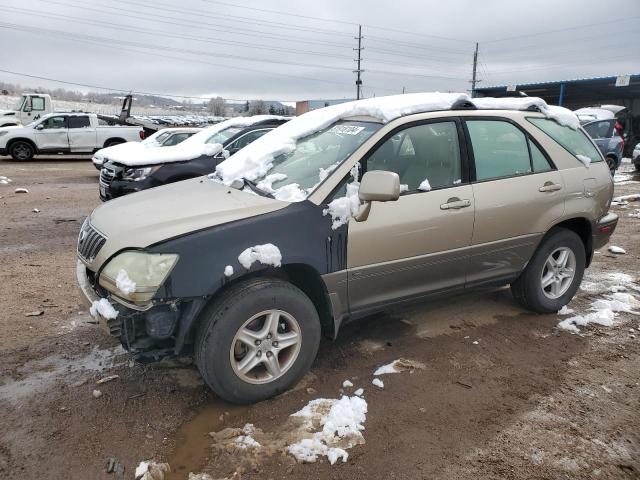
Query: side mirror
39	126
377	186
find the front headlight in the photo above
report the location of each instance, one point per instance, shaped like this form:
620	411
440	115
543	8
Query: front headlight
136	275
137	174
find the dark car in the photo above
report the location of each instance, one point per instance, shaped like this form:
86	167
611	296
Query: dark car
121	177
606	134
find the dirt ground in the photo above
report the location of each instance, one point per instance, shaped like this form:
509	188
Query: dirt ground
504	393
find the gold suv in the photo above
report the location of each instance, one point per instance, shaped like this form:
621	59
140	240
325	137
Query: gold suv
340	213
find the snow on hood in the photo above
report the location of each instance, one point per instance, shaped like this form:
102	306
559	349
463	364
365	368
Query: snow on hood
134	154
256	159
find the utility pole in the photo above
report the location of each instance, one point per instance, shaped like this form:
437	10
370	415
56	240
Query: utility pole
359	60
474	79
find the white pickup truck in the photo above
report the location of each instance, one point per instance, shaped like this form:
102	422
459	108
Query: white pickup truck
64	133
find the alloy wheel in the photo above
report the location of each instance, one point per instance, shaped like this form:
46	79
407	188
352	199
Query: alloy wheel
558	272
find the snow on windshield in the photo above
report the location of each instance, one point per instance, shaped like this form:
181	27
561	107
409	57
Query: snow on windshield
256	161
135	154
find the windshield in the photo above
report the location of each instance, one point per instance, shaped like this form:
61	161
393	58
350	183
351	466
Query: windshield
223	135
162	137
315	156
18	106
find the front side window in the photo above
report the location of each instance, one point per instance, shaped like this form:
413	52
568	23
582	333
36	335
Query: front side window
500	149
575	142
425	157
174	139
79	122
54	122
223	135
602	129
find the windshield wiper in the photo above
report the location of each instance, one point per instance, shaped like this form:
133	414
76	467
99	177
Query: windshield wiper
254	187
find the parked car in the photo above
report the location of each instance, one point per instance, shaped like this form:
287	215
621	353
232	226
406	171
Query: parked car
167	137
391	200
636	157
606	134
135	170
64	133
30	107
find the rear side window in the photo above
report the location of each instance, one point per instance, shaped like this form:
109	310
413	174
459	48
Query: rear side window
499	149
79	122
538	160
575	142
247	139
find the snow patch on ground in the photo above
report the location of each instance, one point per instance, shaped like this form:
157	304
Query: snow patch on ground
347	384
150	470
618	250
341	422
124	283
103	308
5	180
378	383
267	254
603	312
398	366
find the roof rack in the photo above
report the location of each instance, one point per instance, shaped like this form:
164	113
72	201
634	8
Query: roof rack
533	108
463	105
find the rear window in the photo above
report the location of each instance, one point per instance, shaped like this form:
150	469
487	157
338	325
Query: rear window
575	142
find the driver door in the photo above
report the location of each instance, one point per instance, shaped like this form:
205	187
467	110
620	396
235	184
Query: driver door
419	244
54	134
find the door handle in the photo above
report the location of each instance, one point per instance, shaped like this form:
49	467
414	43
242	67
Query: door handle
455	204
550	187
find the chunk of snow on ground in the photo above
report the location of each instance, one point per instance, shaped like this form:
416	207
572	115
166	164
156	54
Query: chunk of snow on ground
398	366
359	392
603	312
378	383
584	159
475	342
267	254
340	428
627	198
246	441
635	214
124	283
347	384
618	250
228	271
35	210
565	311
4	180
103	308
425	186
21	190
151	470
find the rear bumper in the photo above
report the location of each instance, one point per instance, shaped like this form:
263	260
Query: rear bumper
603	229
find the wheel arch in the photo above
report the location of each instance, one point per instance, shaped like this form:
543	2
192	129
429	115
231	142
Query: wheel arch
113	141
582	227
12	141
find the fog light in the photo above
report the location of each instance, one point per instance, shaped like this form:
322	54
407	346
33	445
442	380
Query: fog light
161	322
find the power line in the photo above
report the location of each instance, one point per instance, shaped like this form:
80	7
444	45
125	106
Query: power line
577	27
359	60
289	14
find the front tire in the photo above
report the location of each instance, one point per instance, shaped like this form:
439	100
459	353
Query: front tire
22	151
611	163
257	340
553	274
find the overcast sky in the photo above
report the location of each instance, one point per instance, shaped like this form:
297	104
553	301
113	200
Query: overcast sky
238	50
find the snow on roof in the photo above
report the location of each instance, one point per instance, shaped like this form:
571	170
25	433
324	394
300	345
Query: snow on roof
592	113
134	154
256	159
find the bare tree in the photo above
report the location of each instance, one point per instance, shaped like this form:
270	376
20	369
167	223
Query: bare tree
257	107
216	106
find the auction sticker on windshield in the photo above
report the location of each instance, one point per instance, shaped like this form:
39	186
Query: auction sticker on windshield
347	129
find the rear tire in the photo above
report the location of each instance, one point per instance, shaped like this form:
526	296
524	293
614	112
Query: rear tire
111	143
611	163
545	286
22	151
243	312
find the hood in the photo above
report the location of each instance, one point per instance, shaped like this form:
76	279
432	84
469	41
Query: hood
151	216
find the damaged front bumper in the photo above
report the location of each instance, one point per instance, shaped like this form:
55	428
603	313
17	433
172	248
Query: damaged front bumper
161	329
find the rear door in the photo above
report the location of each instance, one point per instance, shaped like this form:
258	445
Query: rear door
418	244
53	135
518	195
82	136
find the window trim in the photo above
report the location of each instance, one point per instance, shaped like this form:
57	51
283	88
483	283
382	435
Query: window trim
464	160
528	136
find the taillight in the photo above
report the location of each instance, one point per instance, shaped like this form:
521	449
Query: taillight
141	134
